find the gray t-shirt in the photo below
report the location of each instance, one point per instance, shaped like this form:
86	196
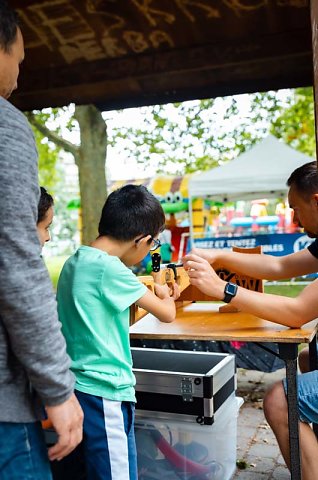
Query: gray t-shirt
34	365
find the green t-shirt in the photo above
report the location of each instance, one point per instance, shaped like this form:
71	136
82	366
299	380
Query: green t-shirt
95	291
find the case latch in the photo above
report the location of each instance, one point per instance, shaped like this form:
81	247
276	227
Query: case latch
187	389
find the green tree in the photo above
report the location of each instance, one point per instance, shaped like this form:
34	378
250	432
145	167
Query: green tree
52	177
89	156
198	135
180	138
296	123
48	153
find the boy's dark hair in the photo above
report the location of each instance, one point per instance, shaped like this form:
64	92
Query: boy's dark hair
129	212
305	179
9	23
46	201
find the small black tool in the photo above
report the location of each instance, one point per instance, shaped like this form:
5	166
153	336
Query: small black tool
156	259
173	267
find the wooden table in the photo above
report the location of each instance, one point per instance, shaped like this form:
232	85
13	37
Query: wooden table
202	321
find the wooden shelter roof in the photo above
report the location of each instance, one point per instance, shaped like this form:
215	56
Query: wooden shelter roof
124	53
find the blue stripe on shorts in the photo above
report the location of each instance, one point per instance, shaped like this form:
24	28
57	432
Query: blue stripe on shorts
109	439
307	396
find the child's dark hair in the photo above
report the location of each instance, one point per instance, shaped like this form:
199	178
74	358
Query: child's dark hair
9	23
46	201
129	212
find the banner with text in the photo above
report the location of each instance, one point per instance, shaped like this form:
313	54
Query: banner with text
273	243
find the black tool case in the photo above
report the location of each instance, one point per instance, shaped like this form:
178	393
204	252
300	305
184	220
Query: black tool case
183	385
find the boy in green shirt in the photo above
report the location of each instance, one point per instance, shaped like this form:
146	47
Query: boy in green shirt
95	291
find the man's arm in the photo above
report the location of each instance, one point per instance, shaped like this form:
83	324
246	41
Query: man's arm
67	420
262	266
28	307
292	312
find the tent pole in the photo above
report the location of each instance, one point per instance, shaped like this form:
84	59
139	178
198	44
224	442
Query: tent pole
191	220
314	30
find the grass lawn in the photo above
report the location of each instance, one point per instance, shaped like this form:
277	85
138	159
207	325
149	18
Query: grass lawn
286	290
54	266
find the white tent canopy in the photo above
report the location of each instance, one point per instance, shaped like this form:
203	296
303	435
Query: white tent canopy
262	171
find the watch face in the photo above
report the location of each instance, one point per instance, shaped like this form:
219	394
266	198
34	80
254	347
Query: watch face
231	288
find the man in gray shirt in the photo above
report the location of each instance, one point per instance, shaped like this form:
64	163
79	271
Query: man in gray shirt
34	366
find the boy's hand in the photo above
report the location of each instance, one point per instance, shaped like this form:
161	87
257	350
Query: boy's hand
164	291
174	291
67	420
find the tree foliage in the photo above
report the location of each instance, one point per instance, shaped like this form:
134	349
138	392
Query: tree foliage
296	123
48	151
198	135
179	138
89	152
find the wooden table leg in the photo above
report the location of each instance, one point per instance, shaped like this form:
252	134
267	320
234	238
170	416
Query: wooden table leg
313	365
289	353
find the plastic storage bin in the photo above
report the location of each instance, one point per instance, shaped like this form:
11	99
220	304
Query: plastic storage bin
182	385
174	450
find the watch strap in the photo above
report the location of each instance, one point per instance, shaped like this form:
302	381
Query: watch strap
228	295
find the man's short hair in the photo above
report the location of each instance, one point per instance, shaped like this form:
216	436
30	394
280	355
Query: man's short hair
305	179
9	23
129	212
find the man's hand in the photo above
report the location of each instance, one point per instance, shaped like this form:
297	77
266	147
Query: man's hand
210	255
67	420
202	275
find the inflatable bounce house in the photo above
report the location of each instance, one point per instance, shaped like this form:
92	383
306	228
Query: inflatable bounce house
172	192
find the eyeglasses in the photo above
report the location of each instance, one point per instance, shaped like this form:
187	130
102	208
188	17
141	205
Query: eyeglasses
155	243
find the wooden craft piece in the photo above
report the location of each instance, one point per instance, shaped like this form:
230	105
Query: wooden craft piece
195	295
190	293
166	275
243	280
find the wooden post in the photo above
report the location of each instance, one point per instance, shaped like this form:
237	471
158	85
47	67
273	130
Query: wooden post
314	30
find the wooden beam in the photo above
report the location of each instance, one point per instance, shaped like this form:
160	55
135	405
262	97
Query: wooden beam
217	55
197	72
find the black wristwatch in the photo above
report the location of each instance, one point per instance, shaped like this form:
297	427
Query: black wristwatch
230	291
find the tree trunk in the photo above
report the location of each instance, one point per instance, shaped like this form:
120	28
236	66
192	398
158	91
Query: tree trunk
91	160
